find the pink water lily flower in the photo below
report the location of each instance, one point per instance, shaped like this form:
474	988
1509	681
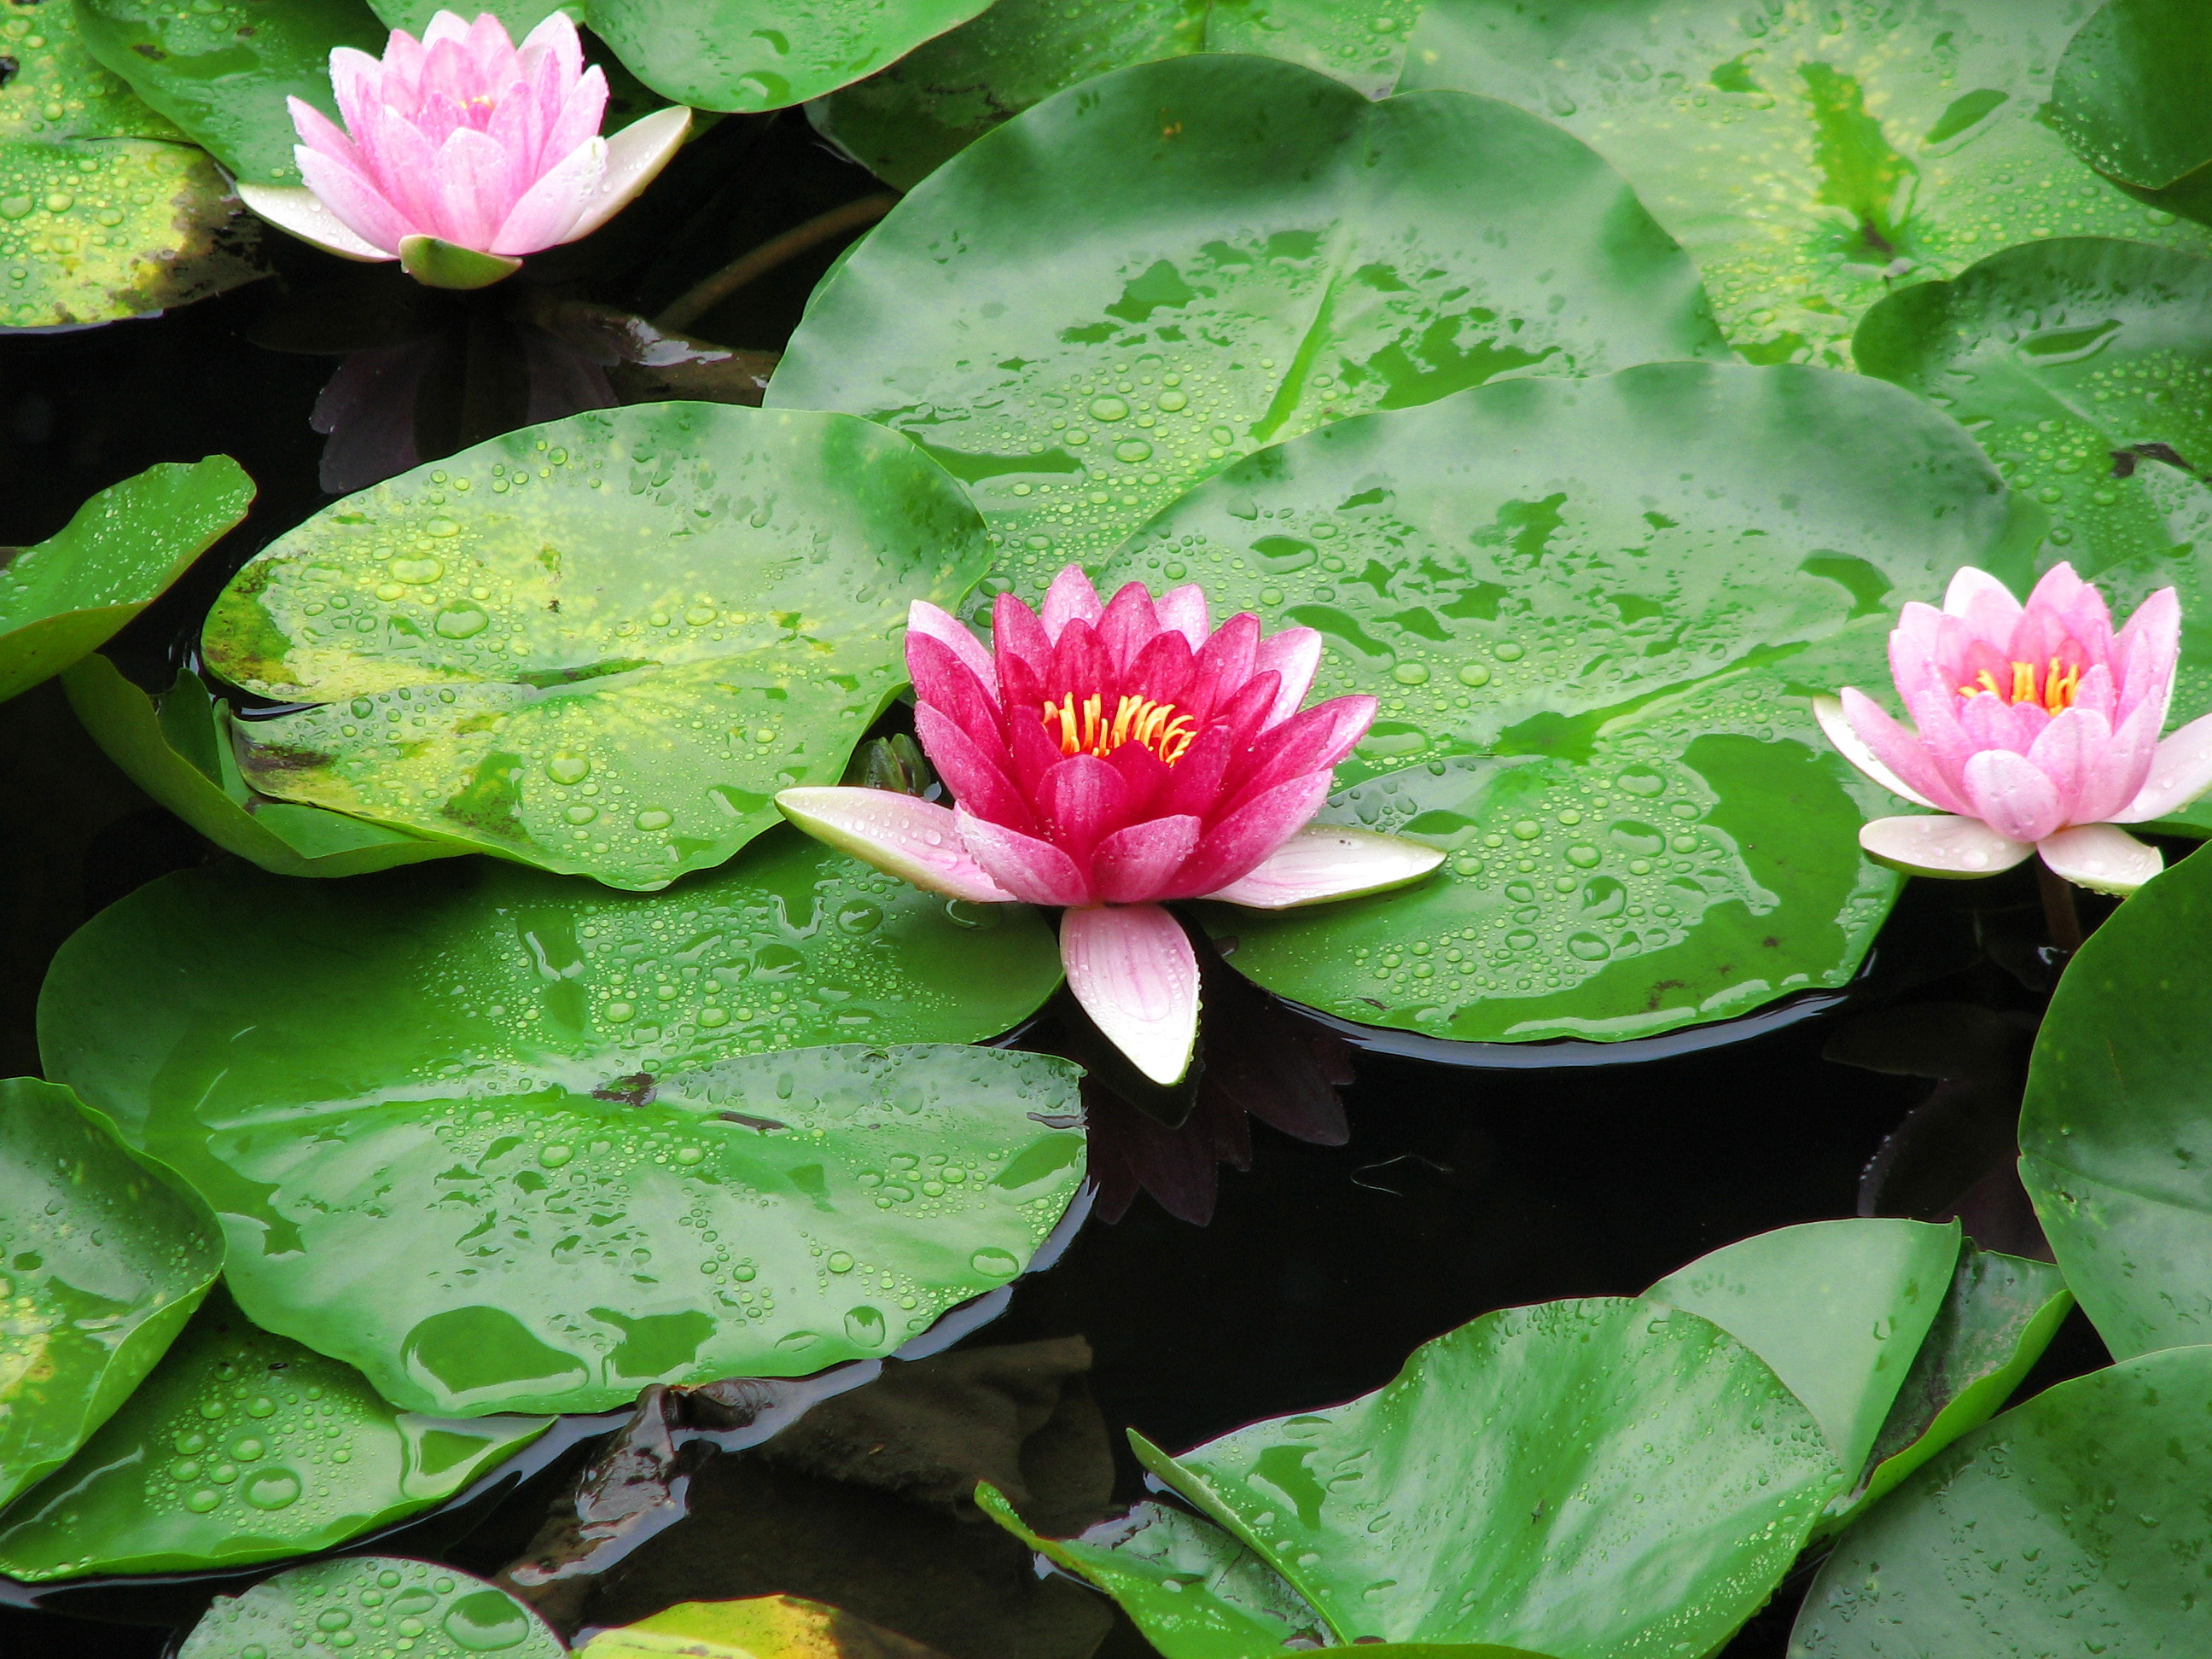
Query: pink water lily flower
460	144
2038	732
1105	759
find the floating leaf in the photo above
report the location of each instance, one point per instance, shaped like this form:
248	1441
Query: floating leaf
389	1607
2116	1142
103	1257
520	17
2129	95
178	747
943	95
1116	294
66	596
1591	611
2074	1523
601	644
1807	156
758	1627
1838	1309
244	1447
1602	1478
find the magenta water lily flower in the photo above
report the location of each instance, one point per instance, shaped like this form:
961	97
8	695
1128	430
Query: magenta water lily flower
2038	732
1105	759
461	152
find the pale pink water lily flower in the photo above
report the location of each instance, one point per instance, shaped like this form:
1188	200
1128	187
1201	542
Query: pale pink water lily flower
1106	758
464	139
2037	731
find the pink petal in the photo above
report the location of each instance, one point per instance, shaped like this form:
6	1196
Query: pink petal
2011	796
295	208
1029	869
943	677
903	836
1070	598
1294	654
2146	651
926	622
446	26
1195	782
1325	861
555	37
635	156
1127	625
320	134
1944	845
1224	666
2117	776
2101	858
1183	609
1016	631
1162	669
1131	865
353	201
1984	603
1865	735
550	209
1132	969
577	117
2180	771
357	81
476	185
1312	741
1081	801
971	771
2069	752
1235	847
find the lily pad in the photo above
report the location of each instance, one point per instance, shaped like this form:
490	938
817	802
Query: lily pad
938	99
520	17
601	644
1602	1478
1807	156
178	747
244	1447
1117	294
758	1627
103	1257
391	1608
222	69
2130	91
68	594
2074	1523
1838	1309
497	1140
1592	611
765	54
2115	1138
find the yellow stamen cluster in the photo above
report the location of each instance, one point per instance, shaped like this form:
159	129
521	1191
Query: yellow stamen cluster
2055	693
1083	729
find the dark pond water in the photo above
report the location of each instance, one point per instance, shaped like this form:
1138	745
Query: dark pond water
1456	1188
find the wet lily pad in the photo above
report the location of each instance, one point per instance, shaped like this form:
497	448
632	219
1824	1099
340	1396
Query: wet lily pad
498	1141
68	594
103	1257
2130	96
389	1606
244	1447
2074	1523
1117	294
178	747
601	644
520	17
1593	612
765	54
1805	156
1838	1309
222	69
2115	1140
938	99
758	1627
1602	1478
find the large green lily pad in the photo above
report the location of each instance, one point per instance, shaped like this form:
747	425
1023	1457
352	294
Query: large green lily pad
222	69
178	747
1592	611
103	1257
389	1606
508	1143
244	1447
2074	1524
1115	295
1603	1478
601	644
68	594
2115	1138
1807	155
765	54
942	96
2130	96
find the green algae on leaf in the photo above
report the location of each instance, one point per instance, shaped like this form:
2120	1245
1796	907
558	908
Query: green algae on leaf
1120	292
243	1447
385	1606
103	1257
756	1627
601	644
1807	156
70	593
505	1143
1592	612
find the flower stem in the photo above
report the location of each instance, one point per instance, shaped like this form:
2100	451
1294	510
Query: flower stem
697	300
2058	912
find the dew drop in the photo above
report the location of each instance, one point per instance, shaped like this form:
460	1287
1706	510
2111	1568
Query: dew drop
994	1263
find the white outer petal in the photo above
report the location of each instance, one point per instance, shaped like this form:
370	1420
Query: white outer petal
2180	771
1132	968
903	836
2102	857
635	156
1326	861
1829	711
1942	846
296	209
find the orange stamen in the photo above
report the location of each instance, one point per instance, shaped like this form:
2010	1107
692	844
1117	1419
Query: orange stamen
2060	681
1083	729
